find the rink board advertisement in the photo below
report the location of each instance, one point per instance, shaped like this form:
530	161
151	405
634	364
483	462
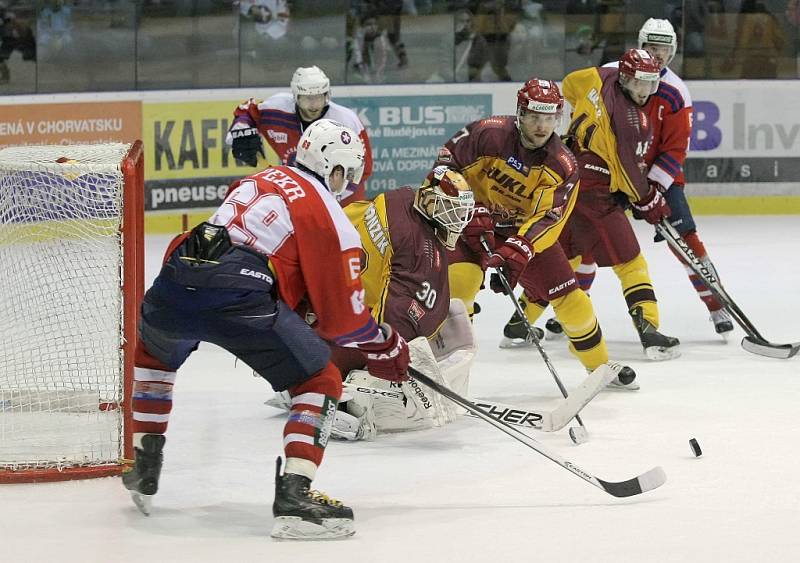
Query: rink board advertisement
744	157
406	132
745	134
70	123
187	163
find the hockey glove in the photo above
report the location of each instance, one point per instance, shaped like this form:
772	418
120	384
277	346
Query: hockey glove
512	258
388	359
247	145
652	208
481	225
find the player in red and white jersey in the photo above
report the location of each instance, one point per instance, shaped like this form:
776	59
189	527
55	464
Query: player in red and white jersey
279	237
281	119
670	111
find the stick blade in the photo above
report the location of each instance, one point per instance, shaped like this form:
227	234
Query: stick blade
770	350
645	482
580	397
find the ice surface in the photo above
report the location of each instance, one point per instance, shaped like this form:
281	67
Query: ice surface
469	493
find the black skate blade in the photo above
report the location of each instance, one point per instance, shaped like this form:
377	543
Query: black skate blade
770	350
515	343
143	502
296	528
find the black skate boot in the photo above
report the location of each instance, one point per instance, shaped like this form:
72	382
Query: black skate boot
142	478
722	323
554	329
305	514
656	345
515	333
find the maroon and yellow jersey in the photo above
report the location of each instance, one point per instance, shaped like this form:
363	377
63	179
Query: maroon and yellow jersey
532	191
612	134
404	265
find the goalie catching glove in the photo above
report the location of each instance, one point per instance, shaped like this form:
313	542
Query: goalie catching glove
512	258
247	145
388	359
653	207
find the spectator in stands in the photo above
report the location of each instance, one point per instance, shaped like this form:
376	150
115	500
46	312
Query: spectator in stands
759	42
464	58
15	35
494	21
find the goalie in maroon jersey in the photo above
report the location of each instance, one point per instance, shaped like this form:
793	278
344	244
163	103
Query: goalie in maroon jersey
278	237
405	234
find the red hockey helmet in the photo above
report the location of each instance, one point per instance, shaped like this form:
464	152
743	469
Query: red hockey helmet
639	74
540	96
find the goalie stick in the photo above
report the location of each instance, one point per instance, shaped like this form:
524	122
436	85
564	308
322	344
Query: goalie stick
647	481
546	421
753	342
580	434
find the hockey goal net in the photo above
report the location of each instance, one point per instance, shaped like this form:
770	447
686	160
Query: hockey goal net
71	277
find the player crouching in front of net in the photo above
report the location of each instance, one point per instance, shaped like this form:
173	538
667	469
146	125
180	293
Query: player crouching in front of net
405	234
278	237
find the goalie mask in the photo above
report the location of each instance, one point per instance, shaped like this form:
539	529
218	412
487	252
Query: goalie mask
639	75
447	202
312	92
658	38
327	144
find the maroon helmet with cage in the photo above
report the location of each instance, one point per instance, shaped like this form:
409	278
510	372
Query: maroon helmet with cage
540	96
447	201
639	74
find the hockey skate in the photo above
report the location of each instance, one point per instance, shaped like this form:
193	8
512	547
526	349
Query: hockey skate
515	333
625	379
302	513
657	346
281	400
553	329
142	478
722	323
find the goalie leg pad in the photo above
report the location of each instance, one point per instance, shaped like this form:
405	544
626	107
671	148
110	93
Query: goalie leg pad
454	349
394	410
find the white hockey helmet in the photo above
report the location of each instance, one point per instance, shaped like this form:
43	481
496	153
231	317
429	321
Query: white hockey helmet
659	32
447	201
310	81
327	144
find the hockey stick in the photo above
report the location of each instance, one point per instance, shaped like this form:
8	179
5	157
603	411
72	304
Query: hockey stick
546	421
647	481
753	342
578	435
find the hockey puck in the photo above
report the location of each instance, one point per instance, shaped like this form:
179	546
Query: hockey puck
695	447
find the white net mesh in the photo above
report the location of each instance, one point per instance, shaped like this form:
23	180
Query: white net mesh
60	305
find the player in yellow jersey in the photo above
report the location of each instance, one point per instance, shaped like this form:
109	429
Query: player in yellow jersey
611	133
526	183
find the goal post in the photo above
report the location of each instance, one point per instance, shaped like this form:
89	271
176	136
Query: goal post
71	280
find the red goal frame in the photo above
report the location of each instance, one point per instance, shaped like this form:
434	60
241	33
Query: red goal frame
132	280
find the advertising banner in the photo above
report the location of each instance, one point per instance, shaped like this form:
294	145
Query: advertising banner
745	133
406	132
70	123
187	163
